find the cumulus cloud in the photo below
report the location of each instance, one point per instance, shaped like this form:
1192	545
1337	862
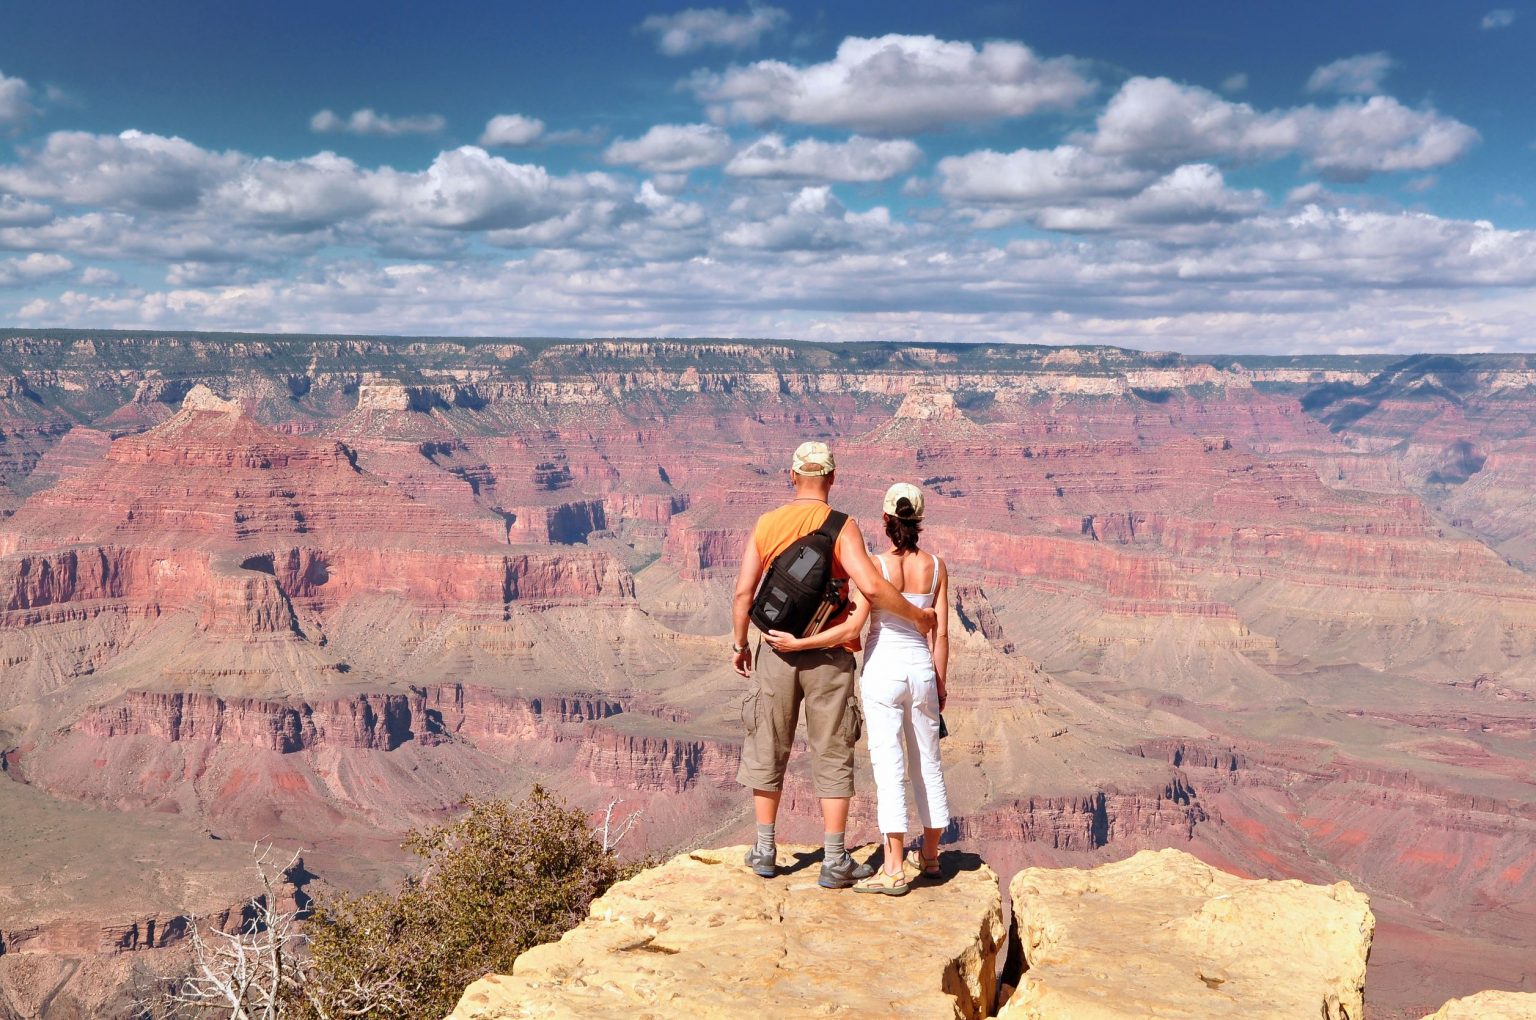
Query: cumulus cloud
693	29
897	84
96	276
1335	278
672	148
1195	194
1155	121
857	160
367	122
16	212
1359	76
812	220
168	198
1034	176
1501	17
32	268
15	102
132	169
511	129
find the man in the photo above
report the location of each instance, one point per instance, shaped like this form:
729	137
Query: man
822	679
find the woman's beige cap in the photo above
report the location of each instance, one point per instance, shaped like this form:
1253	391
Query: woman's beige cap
813	459
914	496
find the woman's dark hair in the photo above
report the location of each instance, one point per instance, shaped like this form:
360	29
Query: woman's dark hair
903	528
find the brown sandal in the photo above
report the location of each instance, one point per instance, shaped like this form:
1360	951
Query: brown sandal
884	882
927	867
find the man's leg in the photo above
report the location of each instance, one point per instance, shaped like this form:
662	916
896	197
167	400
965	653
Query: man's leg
765	805
834	813
831	724
770	713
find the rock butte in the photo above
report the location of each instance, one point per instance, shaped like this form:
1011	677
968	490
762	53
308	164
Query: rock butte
702	936
1164	935
1276	612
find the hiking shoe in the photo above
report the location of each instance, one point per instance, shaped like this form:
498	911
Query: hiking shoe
840	874
886	883
764	865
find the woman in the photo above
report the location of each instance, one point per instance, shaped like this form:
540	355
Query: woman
903	690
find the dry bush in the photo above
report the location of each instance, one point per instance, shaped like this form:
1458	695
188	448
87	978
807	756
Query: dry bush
501	879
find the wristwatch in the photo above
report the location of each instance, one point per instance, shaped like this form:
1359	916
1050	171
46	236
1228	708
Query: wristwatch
737	649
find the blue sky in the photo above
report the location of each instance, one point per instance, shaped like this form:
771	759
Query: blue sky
1188	176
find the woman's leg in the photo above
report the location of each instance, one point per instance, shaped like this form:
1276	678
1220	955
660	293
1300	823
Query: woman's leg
884	695
921	733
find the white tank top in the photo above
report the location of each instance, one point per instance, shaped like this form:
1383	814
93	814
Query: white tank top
893	632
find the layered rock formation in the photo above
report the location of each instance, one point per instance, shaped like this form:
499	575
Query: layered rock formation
1263	609
702	936
1163	934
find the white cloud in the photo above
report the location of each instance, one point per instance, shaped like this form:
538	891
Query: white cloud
1501	17
1195	194
858	159
1235	82
1380	135
32	268
17	212
1154	121
1035	176
690	30
897	84
132	169
672	148
1314	279
511	129
15	102
96	276
166	198
367	122
1360	75
812	220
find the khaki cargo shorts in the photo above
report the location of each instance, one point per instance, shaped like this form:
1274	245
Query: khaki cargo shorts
822	680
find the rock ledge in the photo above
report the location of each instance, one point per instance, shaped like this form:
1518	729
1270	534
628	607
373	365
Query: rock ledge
703	936
1163	934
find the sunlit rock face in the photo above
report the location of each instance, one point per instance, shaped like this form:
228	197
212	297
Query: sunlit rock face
1163	934
703	936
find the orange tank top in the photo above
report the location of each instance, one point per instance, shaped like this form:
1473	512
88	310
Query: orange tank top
778	529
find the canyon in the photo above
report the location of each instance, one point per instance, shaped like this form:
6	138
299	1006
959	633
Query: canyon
1275	612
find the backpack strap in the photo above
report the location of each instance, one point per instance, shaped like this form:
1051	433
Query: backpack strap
833	525
935	589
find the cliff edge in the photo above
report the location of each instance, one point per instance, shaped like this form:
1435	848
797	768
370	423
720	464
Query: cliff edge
1163	934
702	936
1491	1005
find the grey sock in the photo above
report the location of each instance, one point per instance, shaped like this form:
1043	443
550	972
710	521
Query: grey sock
832	847
764	838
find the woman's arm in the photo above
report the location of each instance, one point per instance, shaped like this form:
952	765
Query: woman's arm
832	636
939	639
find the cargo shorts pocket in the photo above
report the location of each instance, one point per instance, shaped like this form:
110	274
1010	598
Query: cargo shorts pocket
853	720
749	712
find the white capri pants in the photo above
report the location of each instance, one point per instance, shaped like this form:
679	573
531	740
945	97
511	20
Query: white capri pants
901	716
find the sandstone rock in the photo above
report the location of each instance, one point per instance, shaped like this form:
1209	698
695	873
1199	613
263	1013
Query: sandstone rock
201	398
1489	1006
1163	934
702	936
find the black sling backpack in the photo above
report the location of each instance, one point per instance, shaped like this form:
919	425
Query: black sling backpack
798	594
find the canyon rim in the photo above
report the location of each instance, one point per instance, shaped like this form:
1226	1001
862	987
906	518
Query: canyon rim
1275	612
